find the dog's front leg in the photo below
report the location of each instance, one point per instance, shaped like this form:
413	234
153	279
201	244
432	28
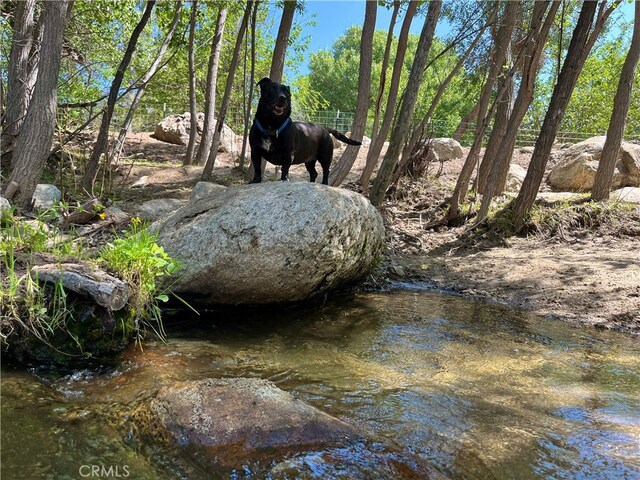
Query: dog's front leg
256	160
287	160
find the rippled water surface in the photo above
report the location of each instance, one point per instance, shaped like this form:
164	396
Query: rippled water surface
476	390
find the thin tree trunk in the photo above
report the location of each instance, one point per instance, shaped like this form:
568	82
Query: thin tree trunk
208	168
102	142
604	174
504	109
378	140
34	142
282	40
420	130
501	46
343	167
18	91
193	106
384	67
210	90
252	74
498	164
383	179
466	122
149	74
582	40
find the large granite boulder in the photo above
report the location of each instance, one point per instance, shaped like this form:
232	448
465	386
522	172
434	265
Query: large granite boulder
248	412
447	148
273	242
577	168
176	128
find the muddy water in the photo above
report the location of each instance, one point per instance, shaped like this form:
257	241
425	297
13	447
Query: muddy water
476	390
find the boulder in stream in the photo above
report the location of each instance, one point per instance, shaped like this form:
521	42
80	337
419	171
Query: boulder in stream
247	412
274	242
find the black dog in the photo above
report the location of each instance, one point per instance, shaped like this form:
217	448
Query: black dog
280	141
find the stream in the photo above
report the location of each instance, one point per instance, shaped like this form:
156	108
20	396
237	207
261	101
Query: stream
475	390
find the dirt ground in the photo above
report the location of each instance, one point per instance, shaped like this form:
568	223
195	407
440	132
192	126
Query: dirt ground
585	276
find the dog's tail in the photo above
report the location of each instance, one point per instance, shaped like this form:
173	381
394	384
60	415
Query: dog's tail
343	138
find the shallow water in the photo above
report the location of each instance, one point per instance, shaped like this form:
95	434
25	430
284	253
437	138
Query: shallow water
476	390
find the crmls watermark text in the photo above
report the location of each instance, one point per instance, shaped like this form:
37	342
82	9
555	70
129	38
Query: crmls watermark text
104	471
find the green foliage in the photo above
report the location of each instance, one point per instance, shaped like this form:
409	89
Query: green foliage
334	75
144	265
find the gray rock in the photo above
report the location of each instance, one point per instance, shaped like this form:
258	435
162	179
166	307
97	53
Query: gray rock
576	169
46	196
176	128
205	189
158	208
447	148
272	242
515	177
250	412
627	194
4	204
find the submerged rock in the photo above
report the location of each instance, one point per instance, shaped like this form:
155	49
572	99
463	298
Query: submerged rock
248	412
274	242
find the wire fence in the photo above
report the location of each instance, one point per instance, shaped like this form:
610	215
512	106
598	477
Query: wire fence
149	114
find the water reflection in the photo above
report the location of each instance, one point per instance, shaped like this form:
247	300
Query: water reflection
478	390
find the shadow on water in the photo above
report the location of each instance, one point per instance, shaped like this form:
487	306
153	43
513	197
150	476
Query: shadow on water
477	390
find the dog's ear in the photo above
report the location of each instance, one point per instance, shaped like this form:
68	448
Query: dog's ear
287	89
263	82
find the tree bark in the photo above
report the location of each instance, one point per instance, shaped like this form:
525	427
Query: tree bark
501	46
210	90
18	88
102	142
582	40
149	74
282	41
378	140
622	100
343	167
498	162
420	130
383	179
208	168
34	142
252	74
466	122
193	106
384	67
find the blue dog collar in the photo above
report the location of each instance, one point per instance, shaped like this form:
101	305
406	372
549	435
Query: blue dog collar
270	133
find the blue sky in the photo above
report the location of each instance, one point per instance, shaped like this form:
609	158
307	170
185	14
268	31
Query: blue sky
334	17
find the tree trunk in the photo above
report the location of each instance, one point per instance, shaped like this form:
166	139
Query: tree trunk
149	74
384	67
378	140
498	163
383	179
420	130
579	47
102	142
282	41
18	90
621	102
343	167
210	90
252	74
193	106
208	168
501	46
466	122
34	142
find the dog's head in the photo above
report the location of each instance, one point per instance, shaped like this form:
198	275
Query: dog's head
275	100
